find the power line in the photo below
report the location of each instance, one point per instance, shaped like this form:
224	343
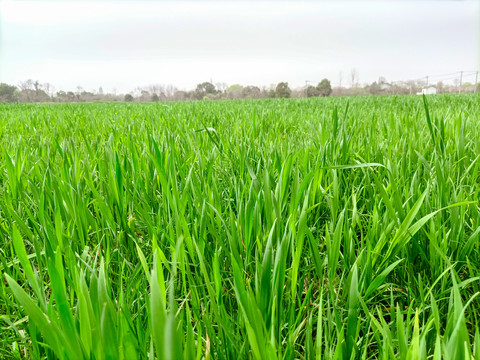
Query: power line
459	75
438	76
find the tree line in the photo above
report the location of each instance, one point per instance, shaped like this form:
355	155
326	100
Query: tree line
34	91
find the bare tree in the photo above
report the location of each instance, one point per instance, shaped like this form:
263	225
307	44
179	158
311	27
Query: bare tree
137	92
78	93
354	77
456	83
49	89
440	87
26	90
170	90
26	85
156	89
37	86
221	86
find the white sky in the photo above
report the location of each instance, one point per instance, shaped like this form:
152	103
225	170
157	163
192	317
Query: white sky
124	44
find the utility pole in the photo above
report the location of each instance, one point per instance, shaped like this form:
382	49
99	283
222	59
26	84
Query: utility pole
476	77
427	83
461	78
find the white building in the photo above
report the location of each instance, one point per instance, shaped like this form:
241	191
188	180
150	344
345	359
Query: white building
428	90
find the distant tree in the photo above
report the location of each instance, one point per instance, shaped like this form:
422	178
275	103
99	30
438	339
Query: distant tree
41	96
340	79
456	83
234	87
412	86
78	93
468	87
215	96
156	88
235	91
155	97
354	77
180	95
220	86
251	92
128	98
204	89
440	87
61	96
26	85
312	91
282	90
144	96
35	94
324	87
71	96
268	93
374	88
88	96
49	89
26	90
8	93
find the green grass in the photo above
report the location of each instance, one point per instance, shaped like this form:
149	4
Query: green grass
328	228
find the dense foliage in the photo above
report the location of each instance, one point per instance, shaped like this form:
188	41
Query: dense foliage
267	229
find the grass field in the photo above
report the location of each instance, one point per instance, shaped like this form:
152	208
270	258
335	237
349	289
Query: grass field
333	228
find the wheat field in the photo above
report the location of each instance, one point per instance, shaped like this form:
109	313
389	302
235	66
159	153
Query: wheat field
321	228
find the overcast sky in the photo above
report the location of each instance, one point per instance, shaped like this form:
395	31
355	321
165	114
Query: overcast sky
123	44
